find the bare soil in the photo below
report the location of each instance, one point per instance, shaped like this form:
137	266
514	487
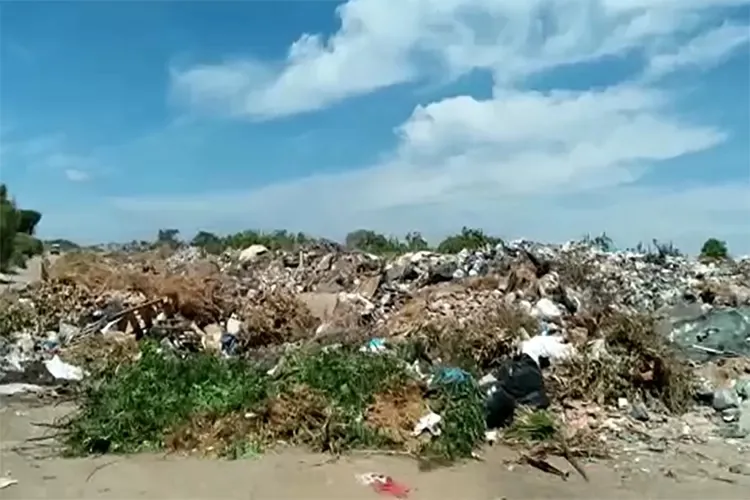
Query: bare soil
685	472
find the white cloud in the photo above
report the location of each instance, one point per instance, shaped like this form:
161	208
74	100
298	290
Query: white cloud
707	49
519	163
549	165
386	42
76	175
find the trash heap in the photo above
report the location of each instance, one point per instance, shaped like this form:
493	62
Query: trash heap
564	327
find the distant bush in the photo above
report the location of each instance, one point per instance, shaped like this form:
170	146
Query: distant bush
64	245
27	245
470	239
603	242
714	249
375	243
16	229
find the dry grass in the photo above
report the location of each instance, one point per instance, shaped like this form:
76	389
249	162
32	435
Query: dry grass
297	417
97	353
543	434
300	416
274	318
480	340
197	295
395	411
640	365
488	282
212	434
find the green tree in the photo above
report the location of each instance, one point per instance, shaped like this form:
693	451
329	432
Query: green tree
208	241
65	245
168	237
415	242
714	249
16	245
374	243
8	226
469	239
28	220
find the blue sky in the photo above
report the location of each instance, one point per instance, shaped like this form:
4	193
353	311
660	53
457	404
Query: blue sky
547	120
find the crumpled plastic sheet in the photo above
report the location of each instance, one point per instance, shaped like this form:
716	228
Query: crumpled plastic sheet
718	333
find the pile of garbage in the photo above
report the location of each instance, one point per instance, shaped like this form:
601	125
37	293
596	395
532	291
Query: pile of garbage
623	325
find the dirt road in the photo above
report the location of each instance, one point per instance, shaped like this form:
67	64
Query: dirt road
22	277
691	473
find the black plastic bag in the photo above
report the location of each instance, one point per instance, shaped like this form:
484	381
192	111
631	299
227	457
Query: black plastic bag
519	382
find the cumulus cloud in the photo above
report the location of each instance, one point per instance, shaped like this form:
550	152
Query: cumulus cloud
550	164
386	42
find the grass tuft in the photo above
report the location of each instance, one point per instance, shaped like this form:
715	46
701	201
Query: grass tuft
330	400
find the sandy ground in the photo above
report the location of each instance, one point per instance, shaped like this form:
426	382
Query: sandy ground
691	473
22	277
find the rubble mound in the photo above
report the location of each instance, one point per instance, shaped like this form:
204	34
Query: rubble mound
340	349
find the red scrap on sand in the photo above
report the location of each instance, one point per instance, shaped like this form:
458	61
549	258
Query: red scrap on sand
385	485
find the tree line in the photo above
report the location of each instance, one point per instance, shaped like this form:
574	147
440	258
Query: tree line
18	241
17	228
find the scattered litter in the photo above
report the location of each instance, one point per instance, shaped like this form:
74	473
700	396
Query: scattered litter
385	485
429	423
451	375
550	347
518	383
62	370
6	481
374	346
18	388
544	466
234	325
491	437
229	344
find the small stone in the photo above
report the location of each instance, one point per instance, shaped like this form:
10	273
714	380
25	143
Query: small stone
639	412
546	309
742	469
743	422
622	403
725	398
730	414
742	388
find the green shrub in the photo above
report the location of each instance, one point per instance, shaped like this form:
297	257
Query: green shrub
714	249
469	239
27	245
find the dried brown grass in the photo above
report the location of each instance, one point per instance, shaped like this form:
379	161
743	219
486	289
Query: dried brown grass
274	318
99	352
481	340
640	364
197	295
300	416
395	411
210	434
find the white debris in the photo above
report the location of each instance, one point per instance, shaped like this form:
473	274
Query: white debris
546	309
252	252
19	388
234	325
429	423
551	347
62	370
6	481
